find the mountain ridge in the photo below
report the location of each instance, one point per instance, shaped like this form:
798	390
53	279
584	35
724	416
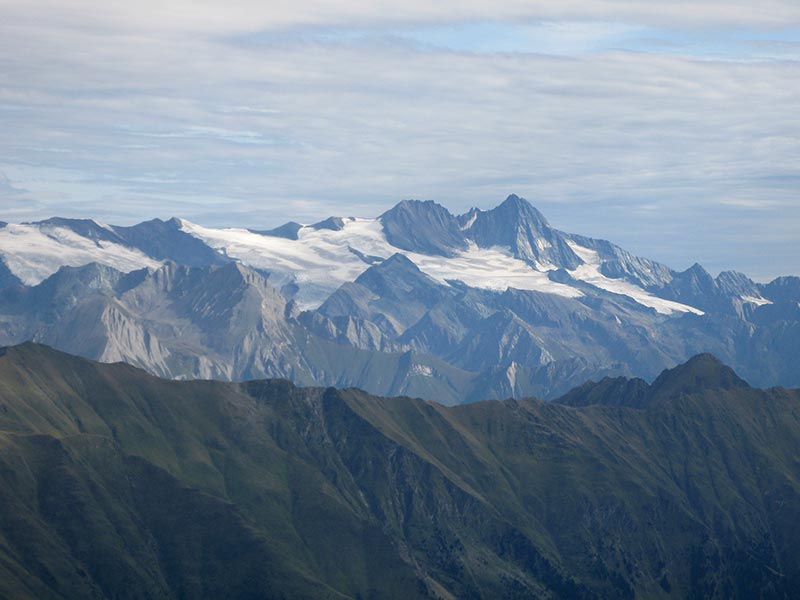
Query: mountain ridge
701	373
500	303
118	484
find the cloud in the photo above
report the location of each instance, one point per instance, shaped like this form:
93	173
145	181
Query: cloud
7	189
236	16
129	113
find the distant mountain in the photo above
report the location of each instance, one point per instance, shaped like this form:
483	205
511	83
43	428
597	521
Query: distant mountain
116	484
488	304
423	227
517	225
700	374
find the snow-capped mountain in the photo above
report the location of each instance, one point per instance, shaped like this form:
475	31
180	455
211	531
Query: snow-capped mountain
417	300
511	246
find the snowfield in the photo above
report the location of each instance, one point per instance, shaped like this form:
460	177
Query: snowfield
321	260
318	262
33	252
590	273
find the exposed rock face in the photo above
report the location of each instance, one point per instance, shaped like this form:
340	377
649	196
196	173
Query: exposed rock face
487	304
517	225
424	227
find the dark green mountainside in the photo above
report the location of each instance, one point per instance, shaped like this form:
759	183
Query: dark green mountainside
116	484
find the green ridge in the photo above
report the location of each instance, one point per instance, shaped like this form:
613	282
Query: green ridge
116	484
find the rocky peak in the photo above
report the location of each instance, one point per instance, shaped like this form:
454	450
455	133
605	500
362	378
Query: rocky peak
700	373
517	225
397	277
423	226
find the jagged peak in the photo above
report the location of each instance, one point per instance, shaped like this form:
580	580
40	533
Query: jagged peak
518	225
521	207
512	200
733	275
698	270
423	226
734	282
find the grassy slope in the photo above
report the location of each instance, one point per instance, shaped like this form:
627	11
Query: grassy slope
117	484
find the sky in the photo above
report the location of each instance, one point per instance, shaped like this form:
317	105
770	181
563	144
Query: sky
671	129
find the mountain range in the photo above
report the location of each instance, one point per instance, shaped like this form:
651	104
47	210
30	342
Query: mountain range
118	484
420	302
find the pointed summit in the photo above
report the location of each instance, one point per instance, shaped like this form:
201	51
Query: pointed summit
695	286
514	200
423	226
698	271
517	225
517	208
398	277
516	203
700	373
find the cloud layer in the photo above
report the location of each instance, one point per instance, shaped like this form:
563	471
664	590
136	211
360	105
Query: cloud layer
254	113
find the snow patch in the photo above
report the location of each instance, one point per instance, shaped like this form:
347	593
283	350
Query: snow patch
321	260
590	273
470	222
511	375
33	252
318	262
757	300
423	370
105	226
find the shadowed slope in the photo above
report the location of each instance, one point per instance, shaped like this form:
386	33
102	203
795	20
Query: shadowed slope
119	484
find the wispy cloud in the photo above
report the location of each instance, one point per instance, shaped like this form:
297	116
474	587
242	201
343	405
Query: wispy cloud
212	16
611	115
